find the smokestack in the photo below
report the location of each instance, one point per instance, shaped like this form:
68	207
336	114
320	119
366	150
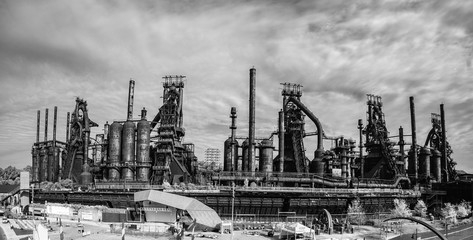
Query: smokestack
401	145
46	126
414	137
360	127
251	137
131	91
37	125
444	143
234	150
281	141
54	125
67	126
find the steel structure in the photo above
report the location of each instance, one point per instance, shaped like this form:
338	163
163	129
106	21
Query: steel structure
381	161
76	165
173	162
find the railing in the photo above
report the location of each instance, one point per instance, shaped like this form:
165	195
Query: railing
326	177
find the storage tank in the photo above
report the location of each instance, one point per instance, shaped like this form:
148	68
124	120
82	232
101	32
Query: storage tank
227	155
114	151
142	148
128	149
244	162
424	171
266	156
435	166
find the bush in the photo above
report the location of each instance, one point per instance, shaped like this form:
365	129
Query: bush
449	211
400	209
356	214
420	209
463	209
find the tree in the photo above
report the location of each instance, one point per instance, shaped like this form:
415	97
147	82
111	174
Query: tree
449	212
356	213
420	209
400	209
463	209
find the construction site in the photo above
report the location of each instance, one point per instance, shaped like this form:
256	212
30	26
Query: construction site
260	178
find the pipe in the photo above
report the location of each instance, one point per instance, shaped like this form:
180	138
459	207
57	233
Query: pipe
362	161
233	127
67	126
131	91
281	141
46	126
444	143
401	146
251	137
414	137
320	147
181	102
54	126
38	122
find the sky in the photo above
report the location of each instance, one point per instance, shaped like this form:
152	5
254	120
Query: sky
54	51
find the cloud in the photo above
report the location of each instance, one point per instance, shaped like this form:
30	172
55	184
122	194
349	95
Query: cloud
339	51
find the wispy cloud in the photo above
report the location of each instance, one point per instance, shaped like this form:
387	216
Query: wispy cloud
338	50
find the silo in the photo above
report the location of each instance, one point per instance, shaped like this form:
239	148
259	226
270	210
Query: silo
435	166
128	149
244	162
114	151
142	148
424	171
266	156
227	155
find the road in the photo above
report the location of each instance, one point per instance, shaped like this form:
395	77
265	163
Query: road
464	232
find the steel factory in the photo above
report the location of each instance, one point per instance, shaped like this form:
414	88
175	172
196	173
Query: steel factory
261	177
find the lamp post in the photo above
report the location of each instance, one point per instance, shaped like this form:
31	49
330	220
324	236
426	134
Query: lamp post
233	204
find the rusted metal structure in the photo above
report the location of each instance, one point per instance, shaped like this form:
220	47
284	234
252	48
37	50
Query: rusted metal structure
76	165
47	154
381	161
172	160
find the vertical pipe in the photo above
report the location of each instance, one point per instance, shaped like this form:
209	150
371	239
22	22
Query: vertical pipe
67	126
251	137
234	149
181	100
46	126
131	91
38	122
281	141
54	126
55	161
401	146
414	137
362	161
444	143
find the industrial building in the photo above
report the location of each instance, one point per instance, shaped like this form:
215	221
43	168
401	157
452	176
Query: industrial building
137	154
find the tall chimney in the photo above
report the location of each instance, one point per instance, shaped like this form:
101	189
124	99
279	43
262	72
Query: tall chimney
414	137
131	91
67	126
234	149
444	143
46	126
251	137
281	141
38	122
401	146
54	126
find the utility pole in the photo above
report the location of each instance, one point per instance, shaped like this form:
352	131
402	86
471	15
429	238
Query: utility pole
233	204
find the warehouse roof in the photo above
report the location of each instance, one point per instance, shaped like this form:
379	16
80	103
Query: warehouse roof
200	212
